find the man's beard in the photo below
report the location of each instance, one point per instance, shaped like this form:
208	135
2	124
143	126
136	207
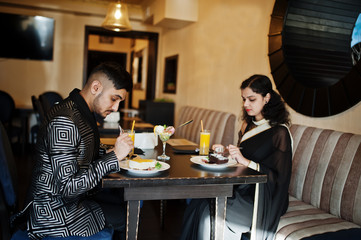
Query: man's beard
97	107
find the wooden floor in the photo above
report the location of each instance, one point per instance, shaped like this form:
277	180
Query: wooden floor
149	223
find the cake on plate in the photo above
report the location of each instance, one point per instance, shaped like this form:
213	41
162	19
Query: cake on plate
218	158
142	164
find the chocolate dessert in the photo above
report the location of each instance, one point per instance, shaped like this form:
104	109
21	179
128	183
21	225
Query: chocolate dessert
218	158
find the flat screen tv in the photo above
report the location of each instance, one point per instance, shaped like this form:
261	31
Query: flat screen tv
26	37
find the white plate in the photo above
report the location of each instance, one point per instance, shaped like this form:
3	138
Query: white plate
125	165
198	160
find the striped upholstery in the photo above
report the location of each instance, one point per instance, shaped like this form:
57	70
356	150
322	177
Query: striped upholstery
221	124
325	188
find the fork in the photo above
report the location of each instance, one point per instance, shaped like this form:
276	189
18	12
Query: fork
121	130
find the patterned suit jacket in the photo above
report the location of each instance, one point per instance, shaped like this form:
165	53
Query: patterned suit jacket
68	167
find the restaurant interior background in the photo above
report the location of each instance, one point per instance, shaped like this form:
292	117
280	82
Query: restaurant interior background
219	43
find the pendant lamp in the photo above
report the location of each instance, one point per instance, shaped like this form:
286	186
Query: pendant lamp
117	17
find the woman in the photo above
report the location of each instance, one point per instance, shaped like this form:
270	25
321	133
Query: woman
265	145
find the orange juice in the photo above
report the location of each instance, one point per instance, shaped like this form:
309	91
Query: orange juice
131	135
204	142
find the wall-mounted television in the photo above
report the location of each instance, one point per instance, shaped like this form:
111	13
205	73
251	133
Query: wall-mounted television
26	37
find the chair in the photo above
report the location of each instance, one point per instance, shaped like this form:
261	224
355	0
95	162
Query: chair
38	109
8	186
40	116
7	106
48	99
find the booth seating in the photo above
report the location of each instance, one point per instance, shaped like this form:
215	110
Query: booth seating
325	188
221	125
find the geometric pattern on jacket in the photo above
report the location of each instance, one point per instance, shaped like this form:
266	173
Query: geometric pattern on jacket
68	166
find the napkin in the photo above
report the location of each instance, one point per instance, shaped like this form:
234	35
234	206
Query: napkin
145	140
113	117
141	140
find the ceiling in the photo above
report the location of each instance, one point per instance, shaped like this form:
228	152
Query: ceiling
131	2
139	10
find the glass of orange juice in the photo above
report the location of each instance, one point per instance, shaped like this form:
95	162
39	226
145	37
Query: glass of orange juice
204	142
131	134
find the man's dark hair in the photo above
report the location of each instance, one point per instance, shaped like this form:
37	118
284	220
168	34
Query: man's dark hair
120	78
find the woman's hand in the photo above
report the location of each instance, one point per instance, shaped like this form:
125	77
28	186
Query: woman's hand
217	146
235	153
123	145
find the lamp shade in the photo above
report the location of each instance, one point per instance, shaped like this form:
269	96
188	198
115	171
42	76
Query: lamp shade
117	17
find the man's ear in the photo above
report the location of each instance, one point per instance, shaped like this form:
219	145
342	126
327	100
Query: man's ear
96	87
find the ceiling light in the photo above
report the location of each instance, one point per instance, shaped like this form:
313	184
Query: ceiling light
117	17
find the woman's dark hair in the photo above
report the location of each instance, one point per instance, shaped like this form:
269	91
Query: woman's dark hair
275	110
120	78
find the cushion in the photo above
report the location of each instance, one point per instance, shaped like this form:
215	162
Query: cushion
6	180
349	234
303	220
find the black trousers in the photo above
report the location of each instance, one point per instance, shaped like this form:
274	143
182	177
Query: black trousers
113	206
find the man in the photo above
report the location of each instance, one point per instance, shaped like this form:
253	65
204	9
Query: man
70	164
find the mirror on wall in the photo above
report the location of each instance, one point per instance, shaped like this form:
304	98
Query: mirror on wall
170	74
311	56
356	41
138	70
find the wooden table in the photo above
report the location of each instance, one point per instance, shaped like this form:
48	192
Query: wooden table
182	180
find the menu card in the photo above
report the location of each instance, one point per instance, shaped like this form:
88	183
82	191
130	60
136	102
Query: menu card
180	142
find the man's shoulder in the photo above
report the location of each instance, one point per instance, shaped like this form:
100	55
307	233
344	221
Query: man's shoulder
66	108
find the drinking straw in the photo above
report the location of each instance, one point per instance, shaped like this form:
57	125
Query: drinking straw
202	125
133	126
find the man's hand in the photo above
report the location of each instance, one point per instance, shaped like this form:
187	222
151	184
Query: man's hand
123	145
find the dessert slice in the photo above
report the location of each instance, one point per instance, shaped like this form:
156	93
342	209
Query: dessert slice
218	158
142	164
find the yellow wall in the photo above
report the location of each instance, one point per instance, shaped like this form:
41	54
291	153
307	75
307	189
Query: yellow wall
24	78
227	44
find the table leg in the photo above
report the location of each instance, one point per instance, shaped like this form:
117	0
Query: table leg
220	217
255	212
133	219
162	206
